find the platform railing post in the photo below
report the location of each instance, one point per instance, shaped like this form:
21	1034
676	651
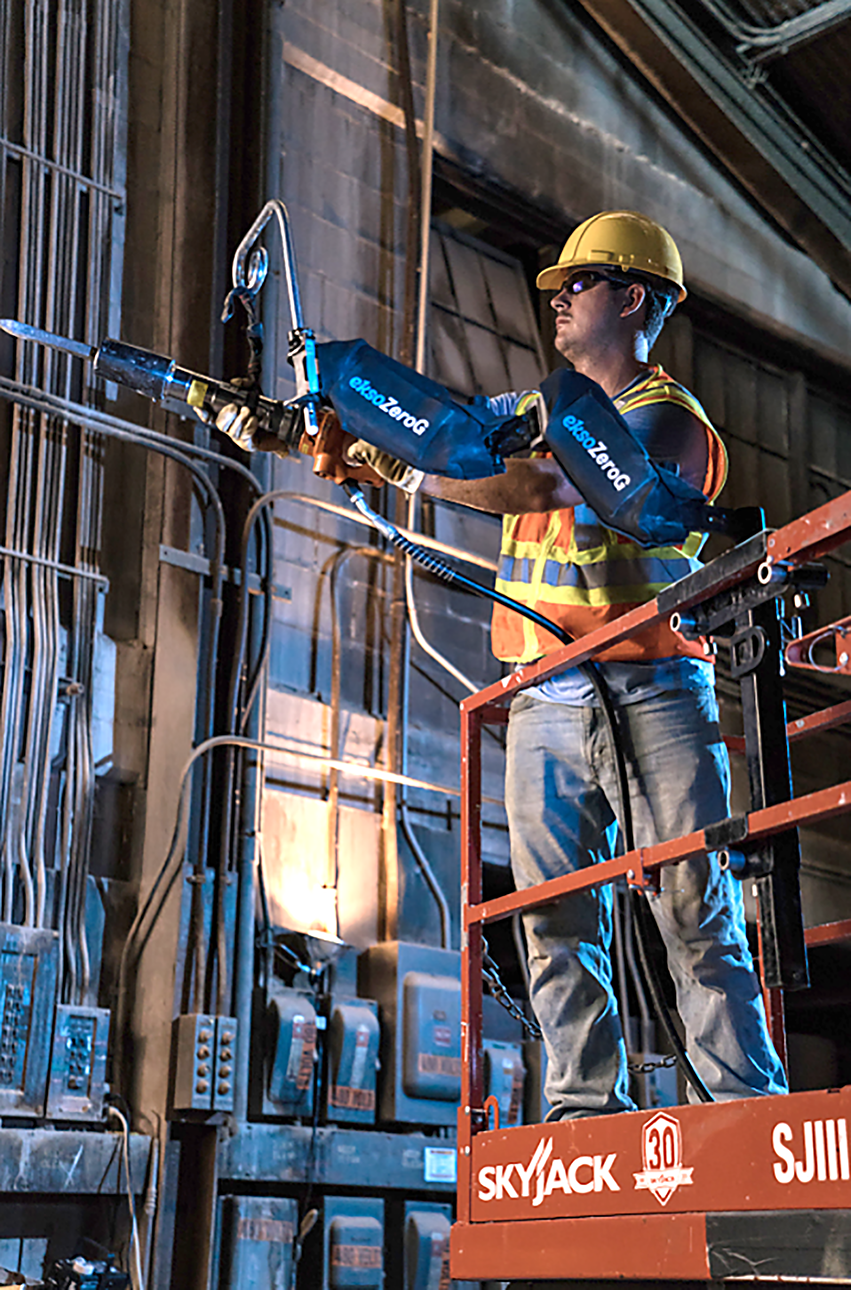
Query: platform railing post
758	647
471	950
774	1003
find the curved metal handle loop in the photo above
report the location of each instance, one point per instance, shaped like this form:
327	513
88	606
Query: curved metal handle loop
259	261
258	267
491	1104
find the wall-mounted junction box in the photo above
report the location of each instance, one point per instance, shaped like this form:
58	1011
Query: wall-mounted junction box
352	1245
418	989
288	1053
256	1249
29	959
505	1079
352	1038
426	1245
204	1054
78	1063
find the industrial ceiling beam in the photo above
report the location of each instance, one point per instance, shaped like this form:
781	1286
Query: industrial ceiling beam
781	167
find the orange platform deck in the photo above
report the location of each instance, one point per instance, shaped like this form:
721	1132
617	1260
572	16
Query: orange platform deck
759	1188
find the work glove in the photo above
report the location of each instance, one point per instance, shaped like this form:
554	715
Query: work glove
241	425
384	464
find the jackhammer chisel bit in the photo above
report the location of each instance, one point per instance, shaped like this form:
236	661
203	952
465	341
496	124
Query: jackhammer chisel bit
160	378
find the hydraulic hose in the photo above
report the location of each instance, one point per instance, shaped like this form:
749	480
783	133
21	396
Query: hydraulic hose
442	570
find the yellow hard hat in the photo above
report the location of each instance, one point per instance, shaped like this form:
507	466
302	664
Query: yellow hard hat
624	240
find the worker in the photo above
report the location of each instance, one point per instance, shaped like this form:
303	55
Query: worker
617	279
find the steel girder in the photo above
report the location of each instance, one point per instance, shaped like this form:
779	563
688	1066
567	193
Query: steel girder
781	166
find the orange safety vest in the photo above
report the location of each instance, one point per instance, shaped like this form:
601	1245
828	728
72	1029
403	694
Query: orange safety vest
571	569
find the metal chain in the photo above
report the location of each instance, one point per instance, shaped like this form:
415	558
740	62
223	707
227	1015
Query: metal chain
645	1068
490	972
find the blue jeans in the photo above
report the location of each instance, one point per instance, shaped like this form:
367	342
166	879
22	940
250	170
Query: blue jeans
561	796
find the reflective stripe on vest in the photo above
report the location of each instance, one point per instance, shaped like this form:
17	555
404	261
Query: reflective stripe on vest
570	568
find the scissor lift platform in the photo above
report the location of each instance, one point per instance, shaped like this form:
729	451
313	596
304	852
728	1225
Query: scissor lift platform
747	1190
756	1189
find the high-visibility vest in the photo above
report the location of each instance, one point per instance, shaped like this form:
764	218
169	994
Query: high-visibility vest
566	565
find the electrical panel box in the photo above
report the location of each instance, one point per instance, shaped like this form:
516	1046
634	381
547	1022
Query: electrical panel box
352	1245
418	989
204	1055
426	1245
431	1054
78	1063
352	1039
289	1053
257	1234
505	1079
29	959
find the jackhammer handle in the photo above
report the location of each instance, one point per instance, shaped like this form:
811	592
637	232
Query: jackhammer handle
328	450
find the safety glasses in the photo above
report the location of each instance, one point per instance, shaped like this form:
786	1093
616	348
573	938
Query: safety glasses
585	279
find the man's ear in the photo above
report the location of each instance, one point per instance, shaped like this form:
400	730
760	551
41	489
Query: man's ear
636	294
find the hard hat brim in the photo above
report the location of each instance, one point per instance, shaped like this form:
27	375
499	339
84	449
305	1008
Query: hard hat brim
552	279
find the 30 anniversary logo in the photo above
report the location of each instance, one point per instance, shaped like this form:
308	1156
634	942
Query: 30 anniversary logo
662	1156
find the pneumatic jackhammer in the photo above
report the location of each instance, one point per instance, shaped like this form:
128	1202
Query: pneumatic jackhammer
346	390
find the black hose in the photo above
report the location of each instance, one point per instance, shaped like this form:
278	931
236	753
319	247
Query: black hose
638	906
441	569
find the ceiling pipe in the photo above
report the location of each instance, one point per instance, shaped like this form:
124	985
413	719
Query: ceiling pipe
759	44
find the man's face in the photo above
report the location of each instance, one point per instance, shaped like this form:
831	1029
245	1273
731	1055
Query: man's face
587	309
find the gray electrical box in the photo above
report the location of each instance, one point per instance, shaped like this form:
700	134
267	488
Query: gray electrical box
505	1079
204	1055
257	1234
289	1053
431	1053
29	959
418	989
352	1245
352	1038
78	1063
426	1245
